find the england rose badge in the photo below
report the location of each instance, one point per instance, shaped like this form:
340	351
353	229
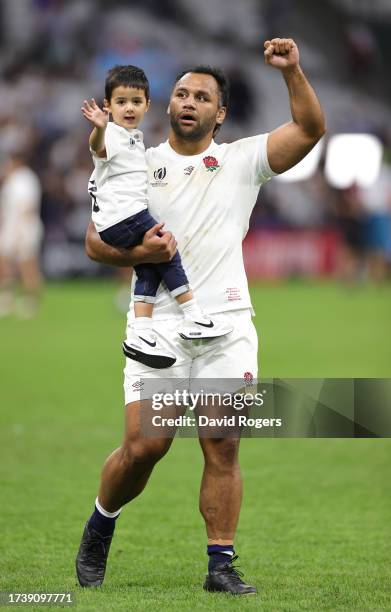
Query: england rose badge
211	163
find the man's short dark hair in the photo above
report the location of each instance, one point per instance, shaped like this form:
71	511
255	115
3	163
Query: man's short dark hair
127	76
220	78
217	74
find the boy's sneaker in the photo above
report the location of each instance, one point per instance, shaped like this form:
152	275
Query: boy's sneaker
226	578
143	346
203	327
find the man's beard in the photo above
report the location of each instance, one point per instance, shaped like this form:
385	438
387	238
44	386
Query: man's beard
196	133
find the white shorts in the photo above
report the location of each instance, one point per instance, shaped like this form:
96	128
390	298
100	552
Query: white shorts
233	356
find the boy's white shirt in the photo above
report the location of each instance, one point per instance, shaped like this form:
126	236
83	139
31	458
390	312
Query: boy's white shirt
119	180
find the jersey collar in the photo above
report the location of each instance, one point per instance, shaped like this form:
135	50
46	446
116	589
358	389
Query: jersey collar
198	155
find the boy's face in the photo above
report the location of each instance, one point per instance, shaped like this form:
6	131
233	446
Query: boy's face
128	106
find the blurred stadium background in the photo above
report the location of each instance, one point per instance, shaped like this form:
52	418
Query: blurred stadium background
55	53
318	255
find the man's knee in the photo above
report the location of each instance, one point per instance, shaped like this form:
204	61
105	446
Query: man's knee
144	452
221	452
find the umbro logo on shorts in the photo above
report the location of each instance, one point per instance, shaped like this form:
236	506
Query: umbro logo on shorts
138	385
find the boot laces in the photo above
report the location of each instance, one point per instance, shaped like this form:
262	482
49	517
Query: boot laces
96	549
233	570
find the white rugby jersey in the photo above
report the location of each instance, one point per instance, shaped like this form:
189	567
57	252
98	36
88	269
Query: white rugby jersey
118	185
206	201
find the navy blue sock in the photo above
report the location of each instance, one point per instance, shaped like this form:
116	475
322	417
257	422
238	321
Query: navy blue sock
218	554
102	524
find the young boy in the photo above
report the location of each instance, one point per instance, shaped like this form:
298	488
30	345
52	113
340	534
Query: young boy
119	190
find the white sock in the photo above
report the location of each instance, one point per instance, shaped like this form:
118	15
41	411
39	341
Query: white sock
191	310
142	323
104	512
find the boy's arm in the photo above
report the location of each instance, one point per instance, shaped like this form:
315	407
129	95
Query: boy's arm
97	141
99	118
154	248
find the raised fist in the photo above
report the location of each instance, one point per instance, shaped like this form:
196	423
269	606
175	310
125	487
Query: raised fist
281	53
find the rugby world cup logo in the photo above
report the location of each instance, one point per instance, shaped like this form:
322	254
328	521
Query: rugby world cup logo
160	174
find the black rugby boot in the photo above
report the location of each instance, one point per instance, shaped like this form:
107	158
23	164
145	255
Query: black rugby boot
92	557
226	578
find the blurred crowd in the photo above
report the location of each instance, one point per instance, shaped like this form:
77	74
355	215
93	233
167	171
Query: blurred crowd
55	53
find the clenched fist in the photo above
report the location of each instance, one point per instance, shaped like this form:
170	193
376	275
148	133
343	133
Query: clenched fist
281	53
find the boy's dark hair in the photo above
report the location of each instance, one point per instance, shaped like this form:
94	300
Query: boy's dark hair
219	76
128	76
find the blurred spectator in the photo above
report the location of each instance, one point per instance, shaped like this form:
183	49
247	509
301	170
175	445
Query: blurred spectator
302	204
241	97
349	216
377	224
56	52
21	233
362	49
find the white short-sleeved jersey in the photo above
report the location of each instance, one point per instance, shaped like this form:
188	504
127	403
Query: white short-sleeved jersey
206	201
118	185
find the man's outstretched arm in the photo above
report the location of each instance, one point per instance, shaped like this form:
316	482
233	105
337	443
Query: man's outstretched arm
288	144
154	248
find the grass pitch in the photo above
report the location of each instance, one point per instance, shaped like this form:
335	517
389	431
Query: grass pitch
315	525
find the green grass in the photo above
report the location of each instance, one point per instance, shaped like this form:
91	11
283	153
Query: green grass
315	525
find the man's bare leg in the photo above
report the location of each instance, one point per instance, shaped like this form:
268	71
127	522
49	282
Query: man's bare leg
221	489
220	503
124	476
127	470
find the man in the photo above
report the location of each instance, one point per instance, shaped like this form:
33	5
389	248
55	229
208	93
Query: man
205	193
21	233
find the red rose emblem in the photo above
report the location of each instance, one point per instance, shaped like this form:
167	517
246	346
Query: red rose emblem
248	377
211	163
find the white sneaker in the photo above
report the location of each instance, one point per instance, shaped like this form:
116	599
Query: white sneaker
142	346
202	328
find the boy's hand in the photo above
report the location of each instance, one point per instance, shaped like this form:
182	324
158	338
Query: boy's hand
98	117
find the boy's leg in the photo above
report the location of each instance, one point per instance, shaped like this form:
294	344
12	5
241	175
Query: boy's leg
147	283
197	324
141	343
174	276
